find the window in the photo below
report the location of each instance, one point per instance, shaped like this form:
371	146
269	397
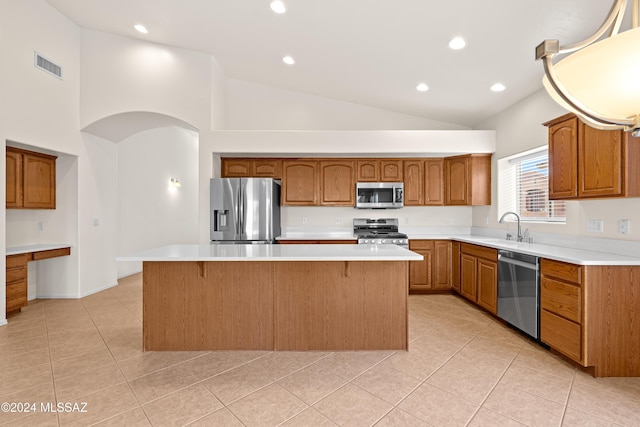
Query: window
523	187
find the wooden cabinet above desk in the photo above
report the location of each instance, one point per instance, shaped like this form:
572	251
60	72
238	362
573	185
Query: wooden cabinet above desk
30	180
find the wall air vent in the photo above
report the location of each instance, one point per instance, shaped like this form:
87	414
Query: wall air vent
48	66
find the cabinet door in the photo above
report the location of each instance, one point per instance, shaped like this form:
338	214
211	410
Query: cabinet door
413	183
368	170
420	272
299	183
468	268
337	184
563	159
456	181
488	284
600	168
236	168
434	182
39	181
442	264
266	168
14	180
391	170
455	266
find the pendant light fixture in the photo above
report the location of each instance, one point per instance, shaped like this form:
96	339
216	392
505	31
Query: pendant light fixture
600	80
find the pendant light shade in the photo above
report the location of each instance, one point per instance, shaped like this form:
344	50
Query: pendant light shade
599	81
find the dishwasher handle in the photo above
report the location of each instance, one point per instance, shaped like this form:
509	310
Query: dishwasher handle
531	266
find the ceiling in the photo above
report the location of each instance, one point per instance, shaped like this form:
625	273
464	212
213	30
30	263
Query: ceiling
367	52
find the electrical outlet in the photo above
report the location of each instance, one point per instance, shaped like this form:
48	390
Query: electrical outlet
337	220
40	225
96	222
305	220
486	220
406	221
624	226
595	225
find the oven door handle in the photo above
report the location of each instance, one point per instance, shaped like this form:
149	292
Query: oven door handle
528	265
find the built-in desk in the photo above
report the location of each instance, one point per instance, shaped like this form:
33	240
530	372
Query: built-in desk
16	279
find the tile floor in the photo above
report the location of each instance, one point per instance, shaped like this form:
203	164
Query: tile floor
463	368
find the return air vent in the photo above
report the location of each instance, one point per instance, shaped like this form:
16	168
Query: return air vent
48	66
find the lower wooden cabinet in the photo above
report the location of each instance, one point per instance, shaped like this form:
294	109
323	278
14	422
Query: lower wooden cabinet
16	281
434	271
479	275
455	266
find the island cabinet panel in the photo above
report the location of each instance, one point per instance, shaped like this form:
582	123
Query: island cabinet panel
434	182
413	182
337	183
207	305
391	171
300	183
368	170
348	305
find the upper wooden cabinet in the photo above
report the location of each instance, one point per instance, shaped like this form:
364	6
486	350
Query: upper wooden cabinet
413	182
337	183
379	170
590	163
434	182
391	170
468	180
300	182
30	180
259	168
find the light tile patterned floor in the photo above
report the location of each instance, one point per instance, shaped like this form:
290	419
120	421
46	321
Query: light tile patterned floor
463	368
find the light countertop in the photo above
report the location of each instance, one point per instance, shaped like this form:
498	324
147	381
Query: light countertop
338	252
17	250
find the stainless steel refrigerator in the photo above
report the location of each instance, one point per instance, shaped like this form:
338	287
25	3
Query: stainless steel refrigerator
245	210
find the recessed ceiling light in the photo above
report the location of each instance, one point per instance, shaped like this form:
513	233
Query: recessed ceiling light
141	28
288	60
457	43
278	7
422	87
498	87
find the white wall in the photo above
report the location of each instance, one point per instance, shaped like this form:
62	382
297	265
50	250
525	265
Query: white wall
97	228
254	106
150	212
519	128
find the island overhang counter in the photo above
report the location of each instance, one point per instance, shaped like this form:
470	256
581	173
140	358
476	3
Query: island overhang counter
275	297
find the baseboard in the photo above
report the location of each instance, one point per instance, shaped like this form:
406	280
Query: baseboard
110	285
3	322
129	274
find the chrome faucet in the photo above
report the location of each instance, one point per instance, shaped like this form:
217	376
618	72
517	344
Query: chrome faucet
520	237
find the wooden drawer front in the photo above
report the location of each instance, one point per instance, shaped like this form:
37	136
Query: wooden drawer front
479	251
561	270
15	274
18	289
51	254
420	244
17	260
16	295
563	335
561	298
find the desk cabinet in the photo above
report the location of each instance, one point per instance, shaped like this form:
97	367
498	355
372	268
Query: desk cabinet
30	180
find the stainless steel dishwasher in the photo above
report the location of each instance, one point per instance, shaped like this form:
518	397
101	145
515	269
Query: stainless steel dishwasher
519	291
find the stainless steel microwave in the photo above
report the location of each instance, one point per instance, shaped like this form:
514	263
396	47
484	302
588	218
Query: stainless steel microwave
379	195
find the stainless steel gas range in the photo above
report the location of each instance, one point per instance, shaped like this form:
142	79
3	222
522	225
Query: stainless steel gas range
381	231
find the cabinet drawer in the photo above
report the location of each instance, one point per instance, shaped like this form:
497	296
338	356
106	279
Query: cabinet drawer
561	270
51	253
561	298
479	251
18	289
17	260
420	244
563	335
15	274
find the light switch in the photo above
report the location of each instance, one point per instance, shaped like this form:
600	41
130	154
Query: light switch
624	226
595	225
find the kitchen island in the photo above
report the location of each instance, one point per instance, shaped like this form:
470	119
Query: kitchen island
275	297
